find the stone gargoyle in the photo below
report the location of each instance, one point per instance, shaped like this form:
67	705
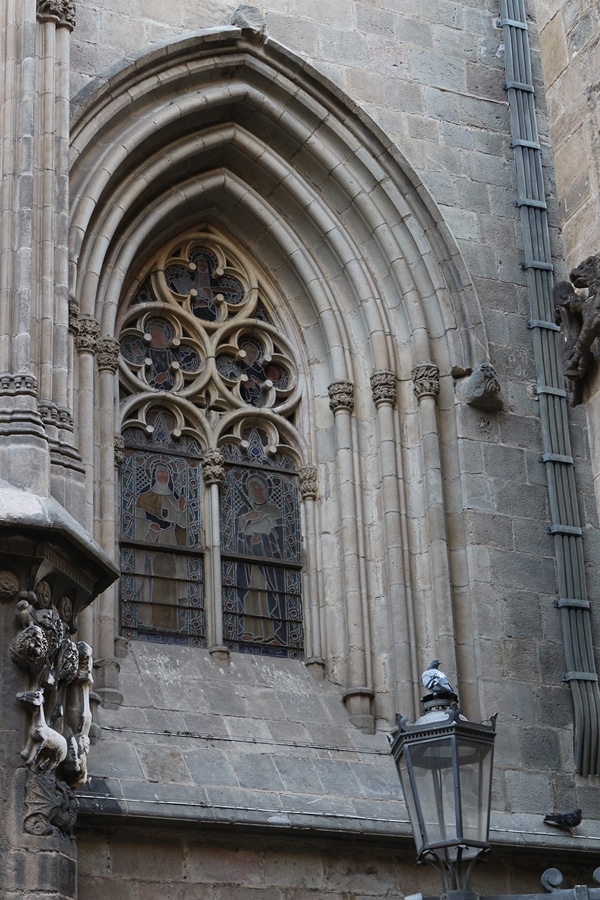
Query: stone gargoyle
577	311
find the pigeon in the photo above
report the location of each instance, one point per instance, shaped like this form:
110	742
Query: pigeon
566	821
434	680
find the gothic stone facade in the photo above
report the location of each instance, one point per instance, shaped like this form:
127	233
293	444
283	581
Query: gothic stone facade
278	348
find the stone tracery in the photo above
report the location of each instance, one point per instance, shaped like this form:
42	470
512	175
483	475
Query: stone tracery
207	375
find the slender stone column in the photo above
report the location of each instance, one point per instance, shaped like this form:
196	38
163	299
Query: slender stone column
213	472
359	695
86	343
107	668
398	641
439	639
312	605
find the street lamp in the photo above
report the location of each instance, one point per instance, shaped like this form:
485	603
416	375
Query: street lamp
445	767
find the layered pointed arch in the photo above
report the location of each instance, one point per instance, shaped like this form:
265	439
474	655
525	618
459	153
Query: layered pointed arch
228	130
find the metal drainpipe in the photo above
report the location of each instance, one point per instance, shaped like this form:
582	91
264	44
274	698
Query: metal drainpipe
568	542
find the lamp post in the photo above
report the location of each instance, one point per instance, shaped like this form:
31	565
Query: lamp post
445	767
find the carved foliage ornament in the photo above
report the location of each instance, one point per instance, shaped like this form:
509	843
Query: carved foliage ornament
63	11
107	354
426	380
213	468
309	482
383	386
88	331
577	311
341	396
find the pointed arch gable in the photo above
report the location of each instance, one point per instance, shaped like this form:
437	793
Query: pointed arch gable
230	130
232	105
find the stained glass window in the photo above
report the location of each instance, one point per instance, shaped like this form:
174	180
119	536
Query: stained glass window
261	547
162	583
198	329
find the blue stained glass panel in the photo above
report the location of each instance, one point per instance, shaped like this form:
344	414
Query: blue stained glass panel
261	547
162	582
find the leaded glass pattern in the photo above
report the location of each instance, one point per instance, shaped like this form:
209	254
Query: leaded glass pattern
162	584
261	547
205	365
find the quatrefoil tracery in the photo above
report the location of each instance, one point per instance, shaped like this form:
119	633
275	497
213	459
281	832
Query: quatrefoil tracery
160	354
196	327
196	276
253	368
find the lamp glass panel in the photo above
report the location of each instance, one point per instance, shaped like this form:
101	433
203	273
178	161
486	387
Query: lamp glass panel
475	766
433	771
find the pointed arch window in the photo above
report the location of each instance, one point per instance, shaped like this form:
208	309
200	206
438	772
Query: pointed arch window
205	368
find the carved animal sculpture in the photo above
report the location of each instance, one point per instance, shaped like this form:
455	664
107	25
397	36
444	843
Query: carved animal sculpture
586	275
579	316
45	748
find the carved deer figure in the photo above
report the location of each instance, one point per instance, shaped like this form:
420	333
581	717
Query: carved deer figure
45	748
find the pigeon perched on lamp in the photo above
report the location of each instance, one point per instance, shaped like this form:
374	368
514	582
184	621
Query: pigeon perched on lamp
565	821
434	680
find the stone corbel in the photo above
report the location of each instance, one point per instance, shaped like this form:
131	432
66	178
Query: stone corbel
50	570
479	387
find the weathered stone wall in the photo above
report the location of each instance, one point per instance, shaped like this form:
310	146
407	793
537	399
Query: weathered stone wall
570	46
262	739
268	867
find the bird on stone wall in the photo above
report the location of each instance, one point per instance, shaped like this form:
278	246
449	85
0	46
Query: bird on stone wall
435	680
565	821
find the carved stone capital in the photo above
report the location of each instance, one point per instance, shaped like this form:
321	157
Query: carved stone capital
309	482
426	380
341	396
213	469
60	11
119	449
107	355
88	331
383	386
73	314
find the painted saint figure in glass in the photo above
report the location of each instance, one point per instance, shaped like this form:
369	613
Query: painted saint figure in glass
260	535
161	515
